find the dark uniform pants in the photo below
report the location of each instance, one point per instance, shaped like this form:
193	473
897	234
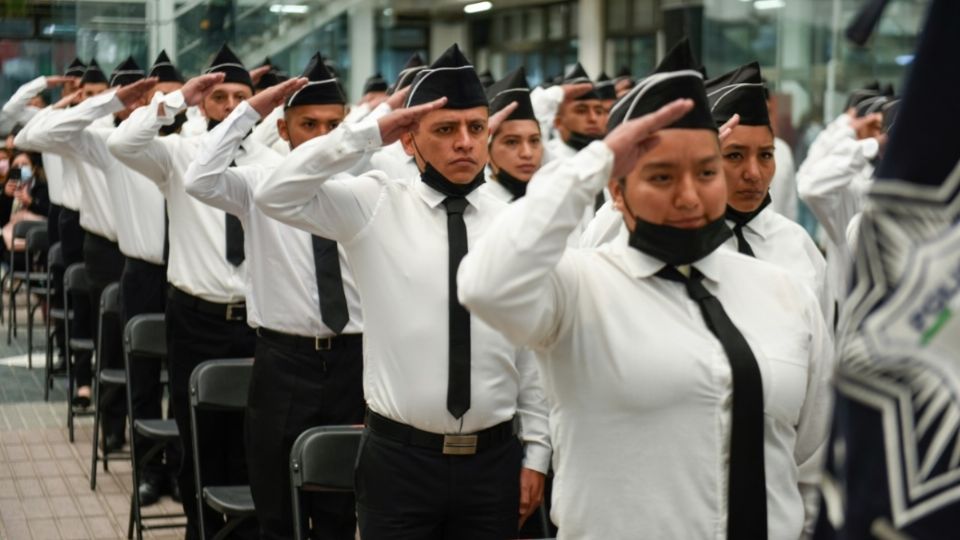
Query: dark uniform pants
408	492
143	289
56	297
294	389
194	336
71	246
104	264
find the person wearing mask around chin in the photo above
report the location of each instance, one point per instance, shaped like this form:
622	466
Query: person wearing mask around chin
689	384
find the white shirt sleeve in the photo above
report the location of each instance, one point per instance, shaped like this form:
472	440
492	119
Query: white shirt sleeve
825	185
533	409
210	178
65	132
357	113
266	133
516	278
546	102
303	192
17	109
815	416
135	142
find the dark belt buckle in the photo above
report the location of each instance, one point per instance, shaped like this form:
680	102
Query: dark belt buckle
459	445
322	344
232	312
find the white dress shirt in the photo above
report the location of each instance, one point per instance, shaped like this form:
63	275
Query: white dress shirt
546	102
395	235
783	187
197	262
136	203
394	162
62	179
53	131
641	388
834	186
281	290
266	132
17	109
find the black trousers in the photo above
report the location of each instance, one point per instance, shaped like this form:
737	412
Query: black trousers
104	264
56	298
71	245
143	289
193	337
291	391
408	492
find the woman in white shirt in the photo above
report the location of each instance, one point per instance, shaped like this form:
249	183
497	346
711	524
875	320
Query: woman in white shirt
516	148
679	410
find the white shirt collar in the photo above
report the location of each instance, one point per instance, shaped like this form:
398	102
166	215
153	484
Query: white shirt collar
434	198
641	266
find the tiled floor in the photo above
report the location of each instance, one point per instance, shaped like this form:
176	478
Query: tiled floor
44	479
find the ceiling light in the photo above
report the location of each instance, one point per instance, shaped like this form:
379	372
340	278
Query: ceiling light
297	9
769	4
477	7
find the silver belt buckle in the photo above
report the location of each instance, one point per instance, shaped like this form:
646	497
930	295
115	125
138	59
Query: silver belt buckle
459	445
322	344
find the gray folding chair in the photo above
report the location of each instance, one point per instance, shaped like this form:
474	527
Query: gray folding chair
322	459
109	314
55	265
19	277
220	385
145	340
76	288
38	280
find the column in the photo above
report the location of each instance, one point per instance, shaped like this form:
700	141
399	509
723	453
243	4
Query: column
363	48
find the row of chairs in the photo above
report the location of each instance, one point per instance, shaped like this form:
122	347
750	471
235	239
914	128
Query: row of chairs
322	458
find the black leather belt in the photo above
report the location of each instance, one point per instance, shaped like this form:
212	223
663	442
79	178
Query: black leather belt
236	311
306	343
457	444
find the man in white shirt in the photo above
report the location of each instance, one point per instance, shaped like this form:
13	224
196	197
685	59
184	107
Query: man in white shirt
301	298
440	457
833	182
87	236
578	121
205	311
689	383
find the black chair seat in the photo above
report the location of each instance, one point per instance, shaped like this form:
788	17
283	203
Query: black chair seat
113	376
158	429
230	500
81	344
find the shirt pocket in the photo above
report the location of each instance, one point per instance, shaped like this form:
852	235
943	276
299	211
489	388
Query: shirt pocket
784	368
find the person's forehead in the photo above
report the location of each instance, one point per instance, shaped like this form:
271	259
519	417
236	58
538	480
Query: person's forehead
679	147
318	112
232	88
456	115
749	136
518	127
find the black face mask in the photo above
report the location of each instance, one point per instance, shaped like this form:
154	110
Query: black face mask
579	141
178	122
437	181
676	246
211	123
742	218
516	187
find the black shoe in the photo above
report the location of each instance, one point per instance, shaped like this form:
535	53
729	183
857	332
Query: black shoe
81	402
112	443
150	489
173	487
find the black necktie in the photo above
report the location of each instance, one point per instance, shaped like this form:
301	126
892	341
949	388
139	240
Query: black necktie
234	228
234	240
747	494
458	383
742	245
166	233
333	303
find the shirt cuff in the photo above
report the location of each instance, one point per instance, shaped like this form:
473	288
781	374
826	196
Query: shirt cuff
361	137
870	147
536	457
595	162
173	103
